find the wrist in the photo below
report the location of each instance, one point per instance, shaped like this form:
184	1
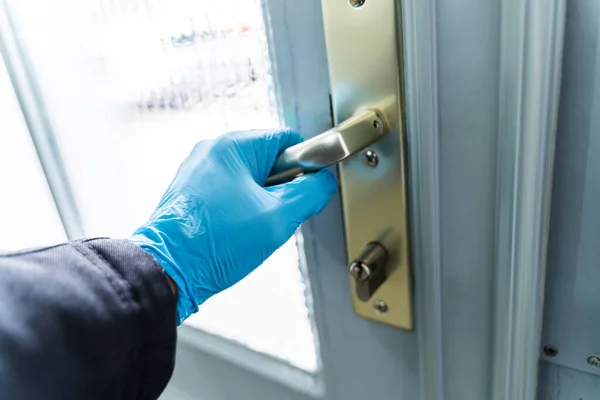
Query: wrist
151	241
172	283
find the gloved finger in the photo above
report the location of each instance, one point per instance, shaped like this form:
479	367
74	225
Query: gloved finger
307	195
277	142
282	139
261	147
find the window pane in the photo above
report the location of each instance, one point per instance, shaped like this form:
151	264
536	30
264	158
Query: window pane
131	86
28	215
269	304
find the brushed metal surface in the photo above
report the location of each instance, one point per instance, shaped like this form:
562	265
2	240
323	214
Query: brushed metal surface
362	51
329	148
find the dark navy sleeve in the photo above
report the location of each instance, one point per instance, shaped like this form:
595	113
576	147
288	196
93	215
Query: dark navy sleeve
92	319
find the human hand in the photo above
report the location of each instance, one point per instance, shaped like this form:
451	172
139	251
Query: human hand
216	222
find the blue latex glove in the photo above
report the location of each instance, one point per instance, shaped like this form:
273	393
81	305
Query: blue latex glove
216	223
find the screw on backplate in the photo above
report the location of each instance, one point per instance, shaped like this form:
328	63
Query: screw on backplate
550	350
594	361
357	3
380	306
370	158
377	124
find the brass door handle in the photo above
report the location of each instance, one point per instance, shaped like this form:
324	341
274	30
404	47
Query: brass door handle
365	69
344	140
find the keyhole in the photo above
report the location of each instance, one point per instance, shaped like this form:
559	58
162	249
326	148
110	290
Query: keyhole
357	3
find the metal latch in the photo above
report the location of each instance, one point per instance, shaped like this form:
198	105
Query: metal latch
329	148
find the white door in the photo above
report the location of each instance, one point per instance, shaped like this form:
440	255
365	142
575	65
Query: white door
115	94
357	358
480	94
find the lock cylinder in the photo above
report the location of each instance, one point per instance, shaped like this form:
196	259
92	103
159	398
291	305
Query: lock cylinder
368	270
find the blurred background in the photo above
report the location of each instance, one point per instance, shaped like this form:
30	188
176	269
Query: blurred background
128	87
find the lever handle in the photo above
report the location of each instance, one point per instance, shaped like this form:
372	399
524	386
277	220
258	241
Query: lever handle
346	139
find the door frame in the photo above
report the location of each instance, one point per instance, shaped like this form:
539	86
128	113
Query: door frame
532	39
532	34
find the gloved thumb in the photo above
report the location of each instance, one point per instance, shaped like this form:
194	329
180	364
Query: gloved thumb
307	195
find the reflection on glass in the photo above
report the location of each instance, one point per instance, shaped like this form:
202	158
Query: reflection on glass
130	87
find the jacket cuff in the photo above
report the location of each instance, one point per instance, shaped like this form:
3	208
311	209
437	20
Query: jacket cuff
156	303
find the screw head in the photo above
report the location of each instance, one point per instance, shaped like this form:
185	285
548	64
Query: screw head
357	3
377	124
380	306
550	350
370	158
594	361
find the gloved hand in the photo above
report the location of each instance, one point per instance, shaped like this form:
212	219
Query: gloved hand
216	223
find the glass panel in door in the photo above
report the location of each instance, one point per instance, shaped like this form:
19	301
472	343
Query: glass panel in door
130	87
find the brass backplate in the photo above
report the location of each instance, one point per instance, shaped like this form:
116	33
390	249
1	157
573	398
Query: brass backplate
365	72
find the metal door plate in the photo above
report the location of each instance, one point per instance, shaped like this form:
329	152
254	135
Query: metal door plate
365	72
